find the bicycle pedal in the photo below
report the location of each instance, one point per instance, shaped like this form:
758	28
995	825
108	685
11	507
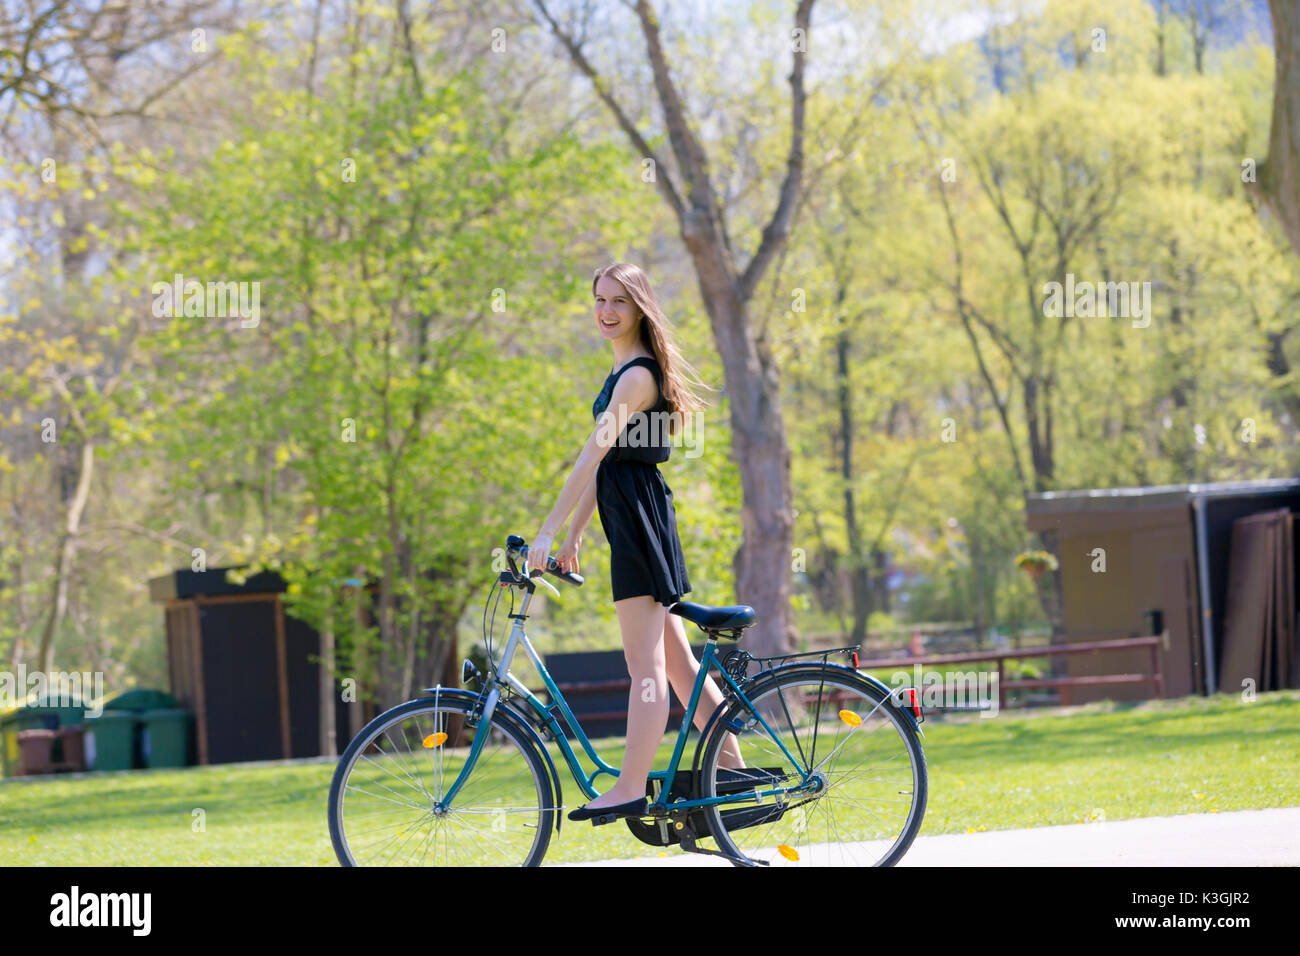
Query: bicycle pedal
605	818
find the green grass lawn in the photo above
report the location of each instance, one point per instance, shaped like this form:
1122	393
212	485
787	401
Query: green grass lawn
1019	769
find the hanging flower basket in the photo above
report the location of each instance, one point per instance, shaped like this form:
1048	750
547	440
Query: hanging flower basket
1035	563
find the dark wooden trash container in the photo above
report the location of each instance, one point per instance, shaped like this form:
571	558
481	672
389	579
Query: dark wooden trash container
36	749
74	748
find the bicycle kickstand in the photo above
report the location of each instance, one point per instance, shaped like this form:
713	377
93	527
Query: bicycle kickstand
686	839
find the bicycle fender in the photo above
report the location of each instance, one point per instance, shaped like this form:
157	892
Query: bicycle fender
510	714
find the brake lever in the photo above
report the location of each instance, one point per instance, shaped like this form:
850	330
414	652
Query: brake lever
539	575
540	578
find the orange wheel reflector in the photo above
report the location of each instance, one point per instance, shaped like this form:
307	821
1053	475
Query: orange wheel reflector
435	740
787	851
850	718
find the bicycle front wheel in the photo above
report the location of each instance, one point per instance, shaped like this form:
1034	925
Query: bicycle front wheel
385	803
868	777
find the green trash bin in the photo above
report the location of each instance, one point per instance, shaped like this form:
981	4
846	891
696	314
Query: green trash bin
65	713
110	740
142	698
165	737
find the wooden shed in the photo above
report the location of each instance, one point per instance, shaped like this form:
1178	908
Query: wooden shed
1211	567
247	670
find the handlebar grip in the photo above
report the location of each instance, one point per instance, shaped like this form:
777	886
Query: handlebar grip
516	543
553	567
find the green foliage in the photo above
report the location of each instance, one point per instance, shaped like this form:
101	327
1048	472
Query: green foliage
997	168
384	419
416	247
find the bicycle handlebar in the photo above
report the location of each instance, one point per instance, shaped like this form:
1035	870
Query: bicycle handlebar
517	547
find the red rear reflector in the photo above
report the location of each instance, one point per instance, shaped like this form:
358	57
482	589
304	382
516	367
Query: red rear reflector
855	660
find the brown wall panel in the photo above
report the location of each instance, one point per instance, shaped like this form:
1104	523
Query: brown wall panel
1115	600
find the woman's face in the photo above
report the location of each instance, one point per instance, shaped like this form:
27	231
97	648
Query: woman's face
616	314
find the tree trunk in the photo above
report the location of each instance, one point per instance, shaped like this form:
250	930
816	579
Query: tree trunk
1279	177
758	444
1280	367
328	741
977	581
16	653
1160	39
880	580
67	557
859	575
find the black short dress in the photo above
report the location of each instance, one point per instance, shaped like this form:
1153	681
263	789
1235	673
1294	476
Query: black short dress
636	504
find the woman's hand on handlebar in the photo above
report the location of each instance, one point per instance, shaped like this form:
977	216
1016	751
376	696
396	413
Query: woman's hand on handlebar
538	549
567	558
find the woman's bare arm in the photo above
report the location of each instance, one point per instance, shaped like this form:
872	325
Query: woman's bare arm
635	391
586	507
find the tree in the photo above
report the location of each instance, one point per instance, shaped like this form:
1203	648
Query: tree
369	413
727	288
1279	175
67	78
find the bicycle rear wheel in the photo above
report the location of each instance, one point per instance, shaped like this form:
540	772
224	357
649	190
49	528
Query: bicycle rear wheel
864	756
383	803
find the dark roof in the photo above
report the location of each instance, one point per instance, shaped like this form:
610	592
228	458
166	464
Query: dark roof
1154	496
186	583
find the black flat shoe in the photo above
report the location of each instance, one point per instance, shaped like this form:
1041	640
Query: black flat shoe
602	815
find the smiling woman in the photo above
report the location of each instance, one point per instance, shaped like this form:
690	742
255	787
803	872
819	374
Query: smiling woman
617	473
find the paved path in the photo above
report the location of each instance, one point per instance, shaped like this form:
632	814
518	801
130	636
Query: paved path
1244	838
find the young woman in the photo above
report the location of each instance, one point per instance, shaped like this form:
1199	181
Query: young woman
616	473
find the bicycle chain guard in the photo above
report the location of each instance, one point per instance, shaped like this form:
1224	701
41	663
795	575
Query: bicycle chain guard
666	830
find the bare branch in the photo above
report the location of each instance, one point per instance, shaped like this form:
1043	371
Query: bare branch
580	60
777	230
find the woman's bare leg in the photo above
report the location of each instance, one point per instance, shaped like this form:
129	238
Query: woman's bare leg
683	669
642	622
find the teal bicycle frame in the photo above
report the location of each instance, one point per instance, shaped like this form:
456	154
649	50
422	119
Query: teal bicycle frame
546	715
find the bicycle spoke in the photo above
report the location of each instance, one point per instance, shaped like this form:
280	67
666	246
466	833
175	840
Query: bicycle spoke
367	757
431	837
817	719
482	834
413	806
386	794
401	766
868	800
462	849
394	836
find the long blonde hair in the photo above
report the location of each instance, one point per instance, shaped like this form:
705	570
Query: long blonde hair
657	337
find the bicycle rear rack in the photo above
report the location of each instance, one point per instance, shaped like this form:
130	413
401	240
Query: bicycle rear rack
738	661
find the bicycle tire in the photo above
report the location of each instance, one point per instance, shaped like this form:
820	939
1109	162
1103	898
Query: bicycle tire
377	730
728	823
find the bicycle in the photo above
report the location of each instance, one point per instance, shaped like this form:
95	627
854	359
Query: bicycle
476	783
